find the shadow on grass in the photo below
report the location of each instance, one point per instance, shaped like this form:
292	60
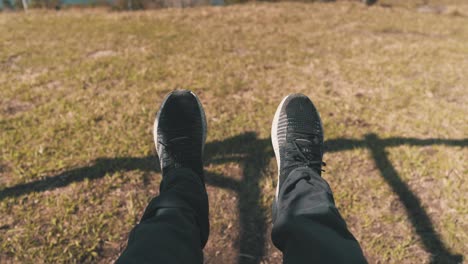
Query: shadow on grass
253	155
420	220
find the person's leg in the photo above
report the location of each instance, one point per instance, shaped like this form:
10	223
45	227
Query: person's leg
175	227
307	226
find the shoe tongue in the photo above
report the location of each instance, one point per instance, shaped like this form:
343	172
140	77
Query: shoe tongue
306	146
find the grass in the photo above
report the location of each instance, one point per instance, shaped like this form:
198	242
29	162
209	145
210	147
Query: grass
79	91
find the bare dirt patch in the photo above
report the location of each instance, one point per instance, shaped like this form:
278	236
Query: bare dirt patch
444	10
6	173
101	54
13	107
11	61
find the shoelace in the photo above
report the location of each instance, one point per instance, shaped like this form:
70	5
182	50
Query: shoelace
179	153
296	154
310	163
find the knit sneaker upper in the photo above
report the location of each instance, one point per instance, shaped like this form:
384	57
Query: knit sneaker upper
297	136
180	132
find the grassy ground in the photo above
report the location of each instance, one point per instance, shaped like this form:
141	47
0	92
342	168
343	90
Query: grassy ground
79	91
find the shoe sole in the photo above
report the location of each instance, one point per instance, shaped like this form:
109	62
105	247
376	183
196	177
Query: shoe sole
156	121
274	137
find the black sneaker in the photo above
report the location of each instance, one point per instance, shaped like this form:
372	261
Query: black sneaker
297	136
180	132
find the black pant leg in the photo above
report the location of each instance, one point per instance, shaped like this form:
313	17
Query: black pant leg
307	226
174	227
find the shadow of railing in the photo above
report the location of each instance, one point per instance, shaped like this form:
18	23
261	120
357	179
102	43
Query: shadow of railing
419	218
253	155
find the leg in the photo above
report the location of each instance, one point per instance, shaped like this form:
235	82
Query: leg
175	226
307	226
